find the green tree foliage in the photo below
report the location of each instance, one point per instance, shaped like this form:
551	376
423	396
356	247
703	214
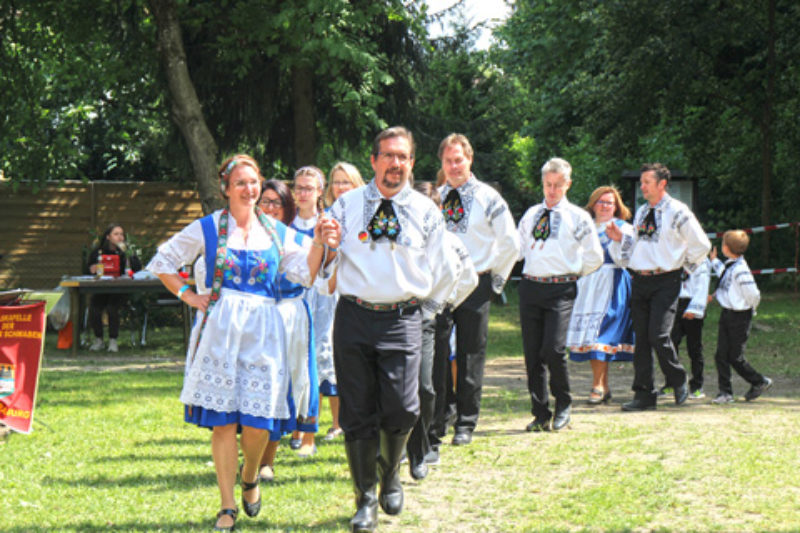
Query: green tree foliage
78	94
705	87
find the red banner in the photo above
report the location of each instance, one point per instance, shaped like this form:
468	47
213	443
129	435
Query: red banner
21	345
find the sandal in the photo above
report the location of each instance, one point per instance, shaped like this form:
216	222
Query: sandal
230	512
333	433
250	509
597	396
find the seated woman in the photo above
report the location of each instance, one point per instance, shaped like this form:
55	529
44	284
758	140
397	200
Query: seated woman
112	254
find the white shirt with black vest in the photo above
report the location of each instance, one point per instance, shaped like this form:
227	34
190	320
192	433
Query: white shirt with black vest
415	266
737	288
486	228
572	247
676	239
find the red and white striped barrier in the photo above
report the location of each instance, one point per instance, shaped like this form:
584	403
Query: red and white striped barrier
774	270
757	229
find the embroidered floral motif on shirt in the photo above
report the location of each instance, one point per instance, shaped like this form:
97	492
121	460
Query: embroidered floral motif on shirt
384	222
258	274
452	209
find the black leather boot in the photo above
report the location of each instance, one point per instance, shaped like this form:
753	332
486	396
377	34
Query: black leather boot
391	493
362	458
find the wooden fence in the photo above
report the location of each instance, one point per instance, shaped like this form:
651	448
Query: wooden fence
45	234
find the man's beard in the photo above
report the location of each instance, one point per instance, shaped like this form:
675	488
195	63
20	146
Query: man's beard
393	178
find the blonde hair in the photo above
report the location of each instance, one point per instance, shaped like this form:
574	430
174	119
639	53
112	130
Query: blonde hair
736	240
353	176
621	211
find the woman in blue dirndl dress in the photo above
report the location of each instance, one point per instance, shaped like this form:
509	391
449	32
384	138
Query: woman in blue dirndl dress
277	202
237	371
600	329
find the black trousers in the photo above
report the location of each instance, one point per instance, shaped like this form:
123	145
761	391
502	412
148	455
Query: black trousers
544	313
654	302
445	400
471	320
692	329
111	303
734	329
418	444
377	360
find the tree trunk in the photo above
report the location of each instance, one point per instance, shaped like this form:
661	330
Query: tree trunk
305	128
766	134
186	109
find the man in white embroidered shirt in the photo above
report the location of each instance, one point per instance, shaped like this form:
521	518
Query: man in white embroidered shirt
559	244
392	270
477	214
668	238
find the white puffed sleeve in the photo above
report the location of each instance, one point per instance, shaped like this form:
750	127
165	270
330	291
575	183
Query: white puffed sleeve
181	249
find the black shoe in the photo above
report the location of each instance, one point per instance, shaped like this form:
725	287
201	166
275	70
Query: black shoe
295	444
562	419
250	509
681	394
432	457
462	437
538	424
637	404
418	469
757	390
232	513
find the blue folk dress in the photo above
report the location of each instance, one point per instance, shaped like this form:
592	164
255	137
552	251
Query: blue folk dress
323	308
301	356
600	327
238	370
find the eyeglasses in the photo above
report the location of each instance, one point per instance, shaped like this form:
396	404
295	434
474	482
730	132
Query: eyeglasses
389	157
603	202
275	204
304	190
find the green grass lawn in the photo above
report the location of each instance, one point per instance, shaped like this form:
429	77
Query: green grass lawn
110	451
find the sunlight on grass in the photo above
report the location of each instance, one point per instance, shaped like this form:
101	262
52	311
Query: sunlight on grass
110	451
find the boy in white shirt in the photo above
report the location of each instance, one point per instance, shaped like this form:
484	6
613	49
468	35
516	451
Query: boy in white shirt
739	296
689	323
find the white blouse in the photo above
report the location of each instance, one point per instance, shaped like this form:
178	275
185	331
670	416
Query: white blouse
184	247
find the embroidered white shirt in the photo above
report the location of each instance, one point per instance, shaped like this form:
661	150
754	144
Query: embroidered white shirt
695	288
572	248
678	242
486	229
737	289
467	275
416	266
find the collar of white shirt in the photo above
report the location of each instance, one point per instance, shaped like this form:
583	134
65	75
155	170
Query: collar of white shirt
373	194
